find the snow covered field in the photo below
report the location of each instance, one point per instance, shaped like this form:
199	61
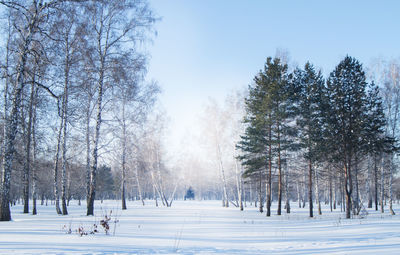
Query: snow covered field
198	227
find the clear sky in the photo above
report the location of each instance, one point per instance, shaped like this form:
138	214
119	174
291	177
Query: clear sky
208	48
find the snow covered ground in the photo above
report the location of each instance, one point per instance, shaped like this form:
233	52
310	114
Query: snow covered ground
198	227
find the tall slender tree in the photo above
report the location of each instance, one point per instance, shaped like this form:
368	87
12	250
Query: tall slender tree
117	26
31	20
267	112
309	96
349	116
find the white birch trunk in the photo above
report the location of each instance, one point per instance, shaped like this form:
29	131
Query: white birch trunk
123	157
55	172
93	173
34	170
88	150
138	184
65	124
239	185
12	123
223	179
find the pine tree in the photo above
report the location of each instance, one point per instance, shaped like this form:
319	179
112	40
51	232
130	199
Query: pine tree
309	97
348	118
267	109
254	159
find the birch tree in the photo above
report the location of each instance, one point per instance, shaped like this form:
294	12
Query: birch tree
214	127
117	26
391	100
133	99
30	20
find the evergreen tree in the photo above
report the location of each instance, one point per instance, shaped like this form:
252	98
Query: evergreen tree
105	182
309	98
348	118
267	112
189	194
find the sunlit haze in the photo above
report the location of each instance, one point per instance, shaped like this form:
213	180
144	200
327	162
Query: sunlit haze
210	48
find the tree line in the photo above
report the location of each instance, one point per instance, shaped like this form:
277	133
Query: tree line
337	130
294	136
73	88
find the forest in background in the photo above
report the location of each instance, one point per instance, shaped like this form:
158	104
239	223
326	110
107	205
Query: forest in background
79	121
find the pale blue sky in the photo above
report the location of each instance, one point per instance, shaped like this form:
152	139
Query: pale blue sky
207	48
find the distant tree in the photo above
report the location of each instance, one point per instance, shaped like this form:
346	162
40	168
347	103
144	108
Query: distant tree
105	183
189	194
133	100
215	129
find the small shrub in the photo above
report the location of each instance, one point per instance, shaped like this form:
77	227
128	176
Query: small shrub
93	229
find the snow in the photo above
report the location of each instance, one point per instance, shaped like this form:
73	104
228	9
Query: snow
198	227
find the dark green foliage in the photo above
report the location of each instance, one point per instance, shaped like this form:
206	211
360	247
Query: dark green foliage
105	183
189	194
355	120
340	122
347	114
268	108
375	139
309	97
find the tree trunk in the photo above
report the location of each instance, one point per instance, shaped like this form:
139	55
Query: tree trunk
88	150
390	185
357	198
279	211
368	183
349	187
330	191
163	197
334	193
34	170
239	185
156	189
310	199
64	141
269	175
12	121
305	187
298	193
376	181
56	192
382	185
223	179
260	200
28	139
123	157
93	173
287	189
11	132
6	88
317	192
138	185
